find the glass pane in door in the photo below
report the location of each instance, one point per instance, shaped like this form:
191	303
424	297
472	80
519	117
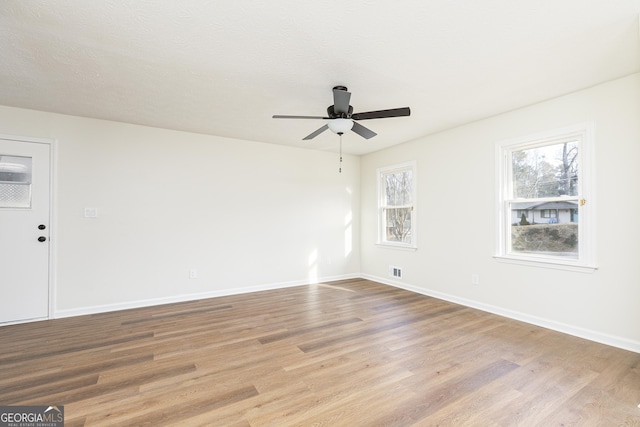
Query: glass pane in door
15	181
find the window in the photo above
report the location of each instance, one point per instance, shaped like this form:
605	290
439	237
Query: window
396	205
15	181
544	208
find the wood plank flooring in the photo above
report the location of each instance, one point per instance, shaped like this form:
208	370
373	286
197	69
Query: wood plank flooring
349	353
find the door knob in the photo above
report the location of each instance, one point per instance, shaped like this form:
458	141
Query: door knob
42	227
42	239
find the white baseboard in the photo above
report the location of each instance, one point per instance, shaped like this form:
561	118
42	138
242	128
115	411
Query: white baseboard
591	335
81	311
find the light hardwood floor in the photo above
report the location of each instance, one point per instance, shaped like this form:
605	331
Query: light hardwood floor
349	353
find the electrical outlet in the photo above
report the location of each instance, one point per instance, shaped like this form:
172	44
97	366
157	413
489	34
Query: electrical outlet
193	273
90	212
475	279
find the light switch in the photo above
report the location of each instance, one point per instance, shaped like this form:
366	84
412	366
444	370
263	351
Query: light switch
90	212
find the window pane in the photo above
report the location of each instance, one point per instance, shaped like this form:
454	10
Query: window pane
548	171
397	198
398	225
549	228
398	188
15	182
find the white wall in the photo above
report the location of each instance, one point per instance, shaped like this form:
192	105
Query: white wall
457	219
247	215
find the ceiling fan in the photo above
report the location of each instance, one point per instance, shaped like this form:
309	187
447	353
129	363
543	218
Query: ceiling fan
341	116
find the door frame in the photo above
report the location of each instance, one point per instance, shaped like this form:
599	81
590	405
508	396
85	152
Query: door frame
52	219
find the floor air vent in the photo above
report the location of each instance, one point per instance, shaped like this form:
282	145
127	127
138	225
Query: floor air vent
395	272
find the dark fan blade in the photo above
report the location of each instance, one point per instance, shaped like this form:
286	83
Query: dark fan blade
381	114
341	100
363	131
316	133
278	116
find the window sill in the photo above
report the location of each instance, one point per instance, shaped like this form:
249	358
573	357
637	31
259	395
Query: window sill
543	263
397	247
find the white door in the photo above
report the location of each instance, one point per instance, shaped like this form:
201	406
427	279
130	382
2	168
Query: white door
24	230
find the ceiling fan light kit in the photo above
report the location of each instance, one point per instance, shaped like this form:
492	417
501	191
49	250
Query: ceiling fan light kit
340	126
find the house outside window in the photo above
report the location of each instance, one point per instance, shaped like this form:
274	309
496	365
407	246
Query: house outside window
544	206
396	205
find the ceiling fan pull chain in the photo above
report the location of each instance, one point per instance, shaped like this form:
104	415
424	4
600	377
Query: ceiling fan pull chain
340	169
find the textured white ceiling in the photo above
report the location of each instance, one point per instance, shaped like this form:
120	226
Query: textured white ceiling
225	67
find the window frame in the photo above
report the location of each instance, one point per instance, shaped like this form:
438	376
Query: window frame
381	173
585	262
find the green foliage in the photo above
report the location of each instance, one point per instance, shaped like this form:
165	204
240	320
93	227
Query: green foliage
571	241
545	238
552	232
